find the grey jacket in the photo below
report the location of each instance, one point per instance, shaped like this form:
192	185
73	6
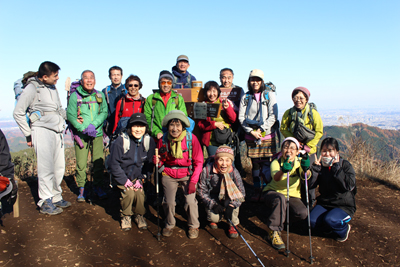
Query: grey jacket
269	112
38	96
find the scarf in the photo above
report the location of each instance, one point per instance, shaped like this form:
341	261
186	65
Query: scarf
176	145
227	185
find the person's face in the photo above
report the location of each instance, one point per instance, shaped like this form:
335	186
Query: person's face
299	100
182	66
212	94
116	77
224	164
226	78
133	88
52	79
175	128
289	149
255	83
328	151
138	130
88	81
165	85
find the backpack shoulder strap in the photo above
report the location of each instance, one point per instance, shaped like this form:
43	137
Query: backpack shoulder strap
126	141
246	98
188	78
146	142
177	100
121	110
189	144
142	102
108	88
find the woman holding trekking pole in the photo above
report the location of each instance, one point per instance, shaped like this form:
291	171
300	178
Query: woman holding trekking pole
275	193
336	203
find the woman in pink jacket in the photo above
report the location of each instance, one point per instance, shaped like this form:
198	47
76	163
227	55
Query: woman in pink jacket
211	125
181	160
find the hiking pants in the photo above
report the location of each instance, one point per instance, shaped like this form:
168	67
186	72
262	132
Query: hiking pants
276	210
334	220
170	186
49	149
216	218
130	198
82	157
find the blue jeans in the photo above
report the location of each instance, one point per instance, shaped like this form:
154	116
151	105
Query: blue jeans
334	220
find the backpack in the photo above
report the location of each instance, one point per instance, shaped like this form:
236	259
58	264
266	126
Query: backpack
298	128
292	113
188	78
79	101
108	88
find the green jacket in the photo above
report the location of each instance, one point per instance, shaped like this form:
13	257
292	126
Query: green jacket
160	111
93	113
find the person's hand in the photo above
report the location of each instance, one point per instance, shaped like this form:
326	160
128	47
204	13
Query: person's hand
225	104
156	159
138	185
336	159
218	209
229	212
79	119
256	134
191	188
286	166
29	144
219	125
128	184
159	136
317	160
305	162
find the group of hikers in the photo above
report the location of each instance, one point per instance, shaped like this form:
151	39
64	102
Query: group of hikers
155	133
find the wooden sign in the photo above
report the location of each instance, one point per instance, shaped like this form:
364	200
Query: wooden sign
232	94
213	110
190	94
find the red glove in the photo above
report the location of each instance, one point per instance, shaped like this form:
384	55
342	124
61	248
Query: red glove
155	160
191	188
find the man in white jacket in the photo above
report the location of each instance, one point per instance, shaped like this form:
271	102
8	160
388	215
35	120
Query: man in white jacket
44	132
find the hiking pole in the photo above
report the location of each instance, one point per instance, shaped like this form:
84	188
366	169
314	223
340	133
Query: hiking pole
287	215
255	255
308	218
158	206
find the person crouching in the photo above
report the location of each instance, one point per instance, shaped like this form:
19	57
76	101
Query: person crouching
130	164
182	161
221	189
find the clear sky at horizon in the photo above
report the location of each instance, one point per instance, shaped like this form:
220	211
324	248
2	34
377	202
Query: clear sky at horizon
347	53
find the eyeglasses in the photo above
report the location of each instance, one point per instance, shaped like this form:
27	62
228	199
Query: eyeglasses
298	98
133	85
290	148
166	82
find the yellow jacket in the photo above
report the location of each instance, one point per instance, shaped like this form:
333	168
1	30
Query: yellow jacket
317	126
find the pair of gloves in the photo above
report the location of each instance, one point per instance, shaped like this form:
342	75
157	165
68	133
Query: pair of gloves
136	186
90	131
219	209
304	163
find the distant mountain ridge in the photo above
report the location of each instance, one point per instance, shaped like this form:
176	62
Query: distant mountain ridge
386	143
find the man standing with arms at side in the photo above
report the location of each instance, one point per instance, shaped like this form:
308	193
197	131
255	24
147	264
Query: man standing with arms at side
45	133
182	78
113	93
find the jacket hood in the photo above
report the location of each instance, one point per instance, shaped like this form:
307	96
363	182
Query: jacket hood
83	92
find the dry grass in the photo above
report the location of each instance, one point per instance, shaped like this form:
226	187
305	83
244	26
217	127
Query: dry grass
367	165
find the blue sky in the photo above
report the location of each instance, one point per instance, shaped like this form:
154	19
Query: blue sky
347	53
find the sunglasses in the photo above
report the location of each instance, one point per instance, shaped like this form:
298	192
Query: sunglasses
164	82
133	85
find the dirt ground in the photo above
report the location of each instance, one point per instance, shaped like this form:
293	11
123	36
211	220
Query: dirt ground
90	235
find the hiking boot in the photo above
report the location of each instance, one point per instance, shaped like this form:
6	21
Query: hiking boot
193	233
62	204
81	197
49	208
126	223
99	192
274	237
167	231
141	222
213	225
342	239
232	232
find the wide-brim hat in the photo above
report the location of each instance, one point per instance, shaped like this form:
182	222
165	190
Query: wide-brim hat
176	114
257	73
